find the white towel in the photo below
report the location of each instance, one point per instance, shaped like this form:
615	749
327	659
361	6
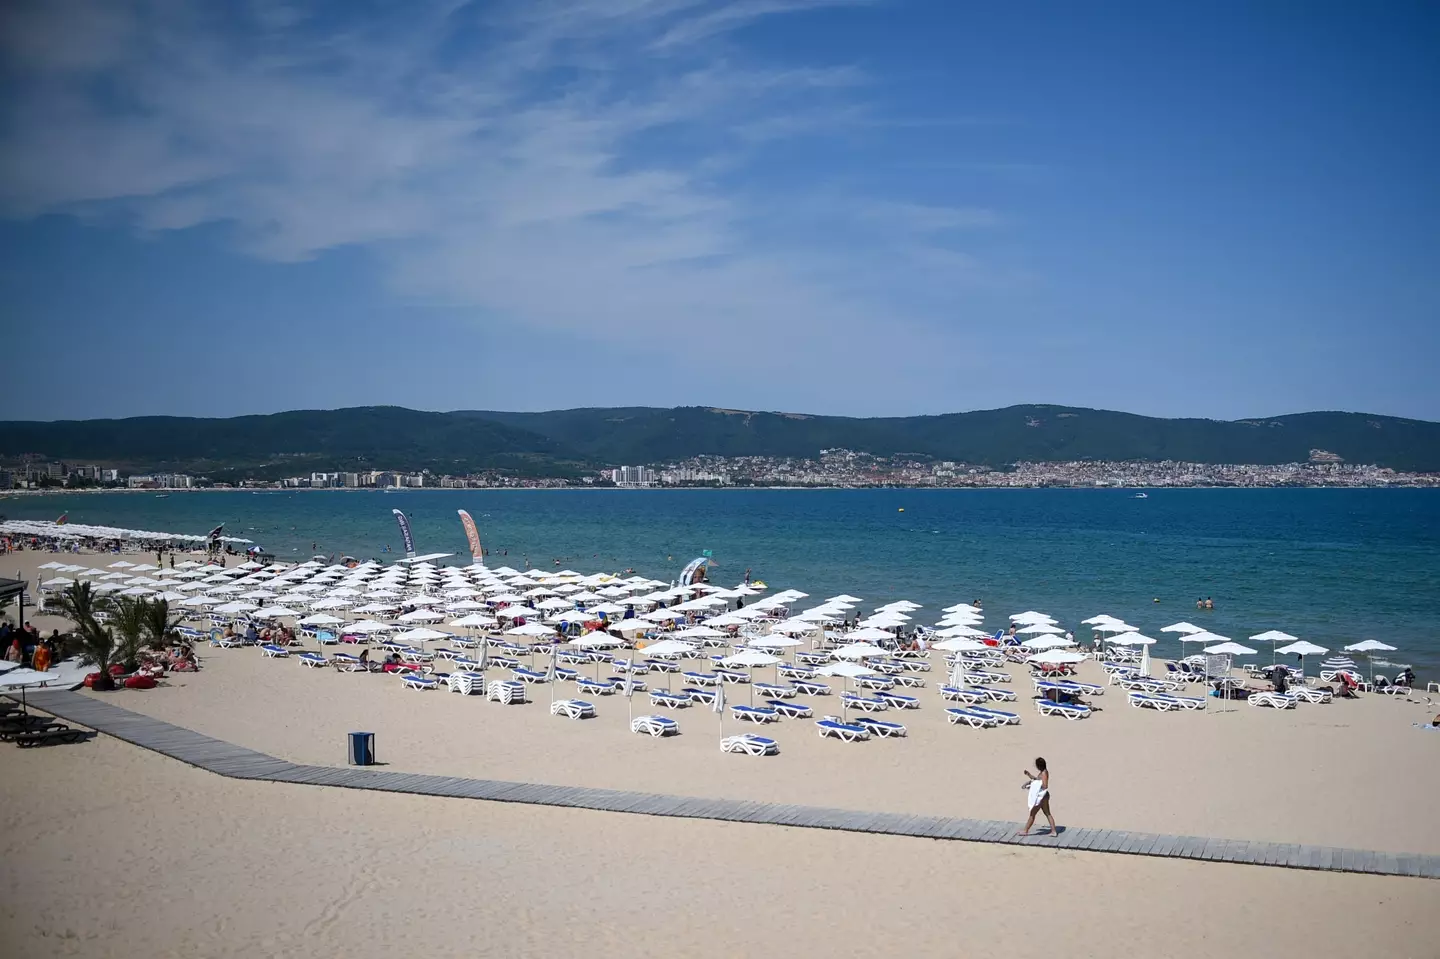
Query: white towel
1037	792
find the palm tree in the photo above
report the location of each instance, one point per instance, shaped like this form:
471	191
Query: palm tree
130	617
161	628
79	603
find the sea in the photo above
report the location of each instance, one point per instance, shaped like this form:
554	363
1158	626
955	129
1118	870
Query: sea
1328	565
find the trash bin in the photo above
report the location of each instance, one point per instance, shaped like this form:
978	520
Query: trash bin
362	749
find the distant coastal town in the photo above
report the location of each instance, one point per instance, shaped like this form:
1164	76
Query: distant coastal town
834	468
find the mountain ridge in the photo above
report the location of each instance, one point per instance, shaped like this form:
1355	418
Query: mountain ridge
569	442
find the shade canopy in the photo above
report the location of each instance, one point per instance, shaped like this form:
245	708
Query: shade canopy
1370	646
1232	648
1182	628
1057	656
860	651
1303	648
850	670
750	657
1273	636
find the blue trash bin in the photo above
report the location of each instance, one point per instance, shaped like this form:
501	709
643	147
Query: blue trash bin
362	749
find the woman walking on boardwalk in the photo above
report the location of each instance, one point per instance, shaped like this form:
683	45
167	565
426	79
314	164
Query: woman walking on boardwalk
1037	792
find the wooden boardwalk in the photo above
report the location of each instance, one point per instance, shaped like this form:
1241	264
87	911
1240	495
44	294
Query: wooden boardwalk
227	759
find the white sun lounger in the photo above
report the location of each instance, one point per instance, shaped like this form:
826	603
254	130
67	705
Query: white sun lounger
995	694
1048	707
313	660
897	701
750	745
272	651
754	714
883	728
1153	701
659	697
910	680
868	704
1310	695
970	717
957	695
505	692
1000	716
843	731
572	709
416	681
601	687
773	690
656	726
789	709
466	683
811	688
1275	700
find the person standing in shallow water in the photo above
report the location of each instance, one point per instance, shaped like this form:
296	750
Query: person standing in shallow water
1037	794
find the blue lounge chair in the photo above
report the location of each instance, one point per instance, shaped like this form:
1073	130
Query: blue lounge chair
572	709
416	681
706	696
528	675
789	709
810	688
999	715
771	689
883	728
897	701
1047	707
846	732
909	680
867	703
958	695
755	714
656	726
315	660
659	697
732	676
973	718
599	687
702	679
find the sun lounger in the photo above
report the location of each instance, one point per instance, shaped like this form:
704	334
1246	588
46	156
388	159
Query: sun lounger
1309	695
504	662
915	665
446	654
732	676
1394	689
874	682
790	710
1275	700
1048	707
1001	717
788	671
750	745
754	714
897	701
883	728
416	681
27	724
701	679
529	675
845	732
656	726
572	709
910	681
995	694
662	666
957	695
346	663
887	666
986	676
506	692
566	674
49	735
325	638
771	689
314	660
813	659
228	642
466	683
599	687
706	696
625	666
659	697
636	684
810	688
970	717
1153	701
272	651
866	703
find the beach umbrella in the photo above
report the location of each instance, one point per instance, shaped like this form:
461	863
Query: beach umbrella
1046	642
860	650
847	670
750	658
239	606
869	634
1273	636
367	626
596	641
1182	628
1114	626
1136	639
1031	616
1369	647
421	634
320	619
1097	620
1053	656
960	631
960	644
1303	648
1230	649
419	616
275	612
1040	628
669	647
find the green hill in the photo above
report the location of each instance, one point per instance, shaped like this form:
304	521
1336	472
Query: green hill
563	442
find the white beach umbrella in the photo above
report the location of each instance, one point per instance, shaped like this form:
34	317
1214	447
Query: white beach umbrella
331	604
1114	626
421	616
1031	616
1047	642
776	642
193	601
952	632
795	627
849	671
1039	628
239	606
1273	637
275	612
475	621
1303	648
1369	647
869	634
750	658
320	619
860	651
1136	639
1057	656
531	629
1182	628
421	634
367	626
1231	649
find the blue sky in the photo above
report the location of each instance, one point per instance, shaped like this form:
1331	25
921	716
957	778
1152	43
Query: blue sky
832	206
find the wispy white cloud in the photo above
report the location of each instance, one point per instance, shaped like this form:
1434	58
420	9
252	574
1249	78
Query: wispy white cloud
536	162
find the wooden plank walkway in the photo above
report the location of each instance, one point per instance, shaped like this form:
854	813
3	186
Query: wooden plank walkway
227	759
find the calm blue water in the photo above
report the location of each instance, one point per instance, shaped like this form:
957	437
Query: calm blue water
1332	566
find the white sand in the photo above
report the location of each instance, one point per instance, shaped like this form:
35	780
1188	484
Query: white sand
109	850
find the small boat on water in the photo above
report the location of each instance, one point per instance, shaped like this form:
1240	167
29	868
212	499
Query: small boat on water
1142	496
162	495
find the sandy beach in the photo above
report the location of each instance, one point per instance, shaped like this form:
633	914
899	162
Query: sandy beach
447	876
